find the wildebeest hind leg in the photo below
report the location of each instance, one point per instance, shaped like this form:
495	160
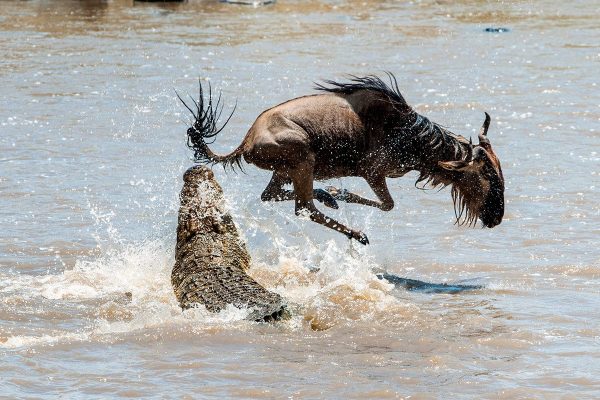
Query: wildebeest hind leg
275	192
302	179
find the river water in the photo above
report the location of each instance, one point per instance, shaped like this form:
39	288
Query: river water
92	143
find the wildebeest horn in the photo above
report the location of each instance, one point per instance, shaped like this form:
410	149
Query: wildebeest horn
483	140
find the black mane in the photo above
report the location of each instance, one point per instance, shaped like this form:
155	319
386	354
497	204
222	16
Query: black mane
434	137
428	141
370	82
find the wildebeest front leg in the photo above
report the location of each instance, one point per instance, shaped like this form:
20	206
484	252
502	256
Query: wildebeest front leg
302	178
377	184
275	192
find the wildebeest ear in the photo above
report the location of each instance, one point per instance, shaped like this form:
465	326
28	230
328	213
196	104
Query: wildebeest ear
455	165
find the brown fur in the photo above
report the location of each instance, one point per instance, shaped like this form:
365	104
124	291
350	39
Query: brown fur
363	128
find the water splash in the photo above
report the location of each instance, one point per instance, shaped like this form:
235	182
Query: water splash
128	290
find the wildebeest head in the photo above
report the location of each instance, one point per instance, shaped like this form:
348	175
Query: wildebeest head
478	184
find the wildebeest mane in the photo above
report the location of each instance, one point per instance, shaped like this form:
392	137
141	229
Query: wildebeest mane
437	142
434	136
369	82
432	141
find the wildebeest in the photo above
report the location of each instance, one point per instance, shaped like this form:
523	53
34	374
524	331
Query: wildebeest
361	128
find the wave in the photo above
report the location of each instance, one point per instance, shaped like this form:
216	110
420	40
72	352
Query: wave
128	289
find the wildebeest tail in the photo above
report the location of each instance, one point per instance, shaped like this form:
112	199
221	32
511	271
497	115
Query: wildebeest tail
206	117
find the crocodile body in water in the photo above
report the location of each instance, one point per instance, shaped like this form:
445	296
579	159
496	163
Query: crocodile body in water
210	258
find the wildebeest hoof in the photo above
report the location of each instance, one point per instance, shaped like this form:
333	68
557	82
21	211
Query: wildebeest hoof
360	237
326	198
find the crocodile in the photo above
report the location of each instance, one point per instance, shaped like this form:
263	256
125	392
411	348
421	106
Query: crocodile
211	260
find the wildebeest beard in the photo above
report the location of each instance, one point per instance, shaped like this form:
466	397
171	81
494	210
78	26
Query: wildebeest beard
467	197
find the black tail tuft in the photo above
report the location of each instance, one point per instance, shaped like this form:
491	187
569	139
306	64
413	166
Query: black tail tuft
206	116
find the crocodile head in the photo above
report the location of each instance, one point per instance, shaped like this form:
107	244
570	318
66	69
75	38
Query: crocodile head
202	208
211	259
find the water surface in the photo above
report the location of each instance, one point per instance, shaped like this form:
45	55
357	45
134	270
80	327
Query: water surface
92	152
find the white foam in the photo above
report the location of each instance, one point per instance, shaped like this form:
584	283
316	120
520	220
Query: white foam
14	342
306	276
140	269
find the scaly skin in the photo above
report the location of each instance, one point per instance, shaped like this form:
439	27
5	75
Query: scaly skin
210	258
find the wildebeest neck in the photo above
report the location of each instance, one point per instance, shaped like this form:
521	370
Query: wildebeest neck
431	143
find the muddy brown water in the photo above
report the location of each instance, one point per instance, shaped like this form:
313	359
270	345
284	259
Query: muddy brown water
92	146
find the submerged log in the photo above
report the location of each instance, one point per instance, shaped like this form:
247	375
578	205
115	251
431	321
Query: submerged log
211	260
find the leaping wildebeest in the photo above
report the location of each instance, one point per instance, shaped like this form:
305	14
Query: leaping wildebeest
361	128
